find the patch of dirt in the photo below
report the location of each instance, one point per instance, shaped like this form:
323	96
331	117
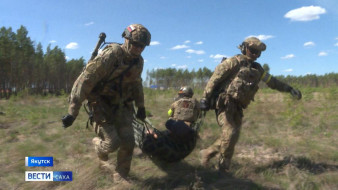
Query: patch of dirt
301	163
318	96
259	155
4	126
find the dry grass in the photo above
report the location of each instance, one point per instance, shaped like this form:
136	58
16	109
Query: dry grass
284	144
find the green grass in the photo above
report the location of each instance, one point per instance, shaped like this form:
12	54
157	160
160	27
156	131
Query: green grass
284	144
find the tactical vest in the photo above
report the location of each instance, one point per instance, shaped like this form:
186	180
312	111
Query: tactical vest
115	85
185	110
244	85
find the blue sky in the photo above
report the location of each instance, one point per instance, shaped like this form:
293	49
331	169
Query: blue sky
301	35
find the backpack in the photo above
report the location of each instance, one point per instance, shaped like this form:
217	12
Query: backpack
245	85
185	110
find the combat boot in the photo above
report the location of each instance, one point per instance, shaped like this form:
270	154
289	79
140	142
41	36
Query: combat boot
224	164
102	156
206	155
121	179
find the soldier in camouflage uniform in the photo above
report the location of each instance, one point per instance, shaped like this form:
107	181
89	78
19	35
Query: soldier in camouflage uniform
185	108
230	89
179	140
111	82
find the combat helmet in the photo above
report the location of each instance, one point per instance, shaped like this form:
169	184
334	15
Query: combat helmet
137	33
252	42
186	91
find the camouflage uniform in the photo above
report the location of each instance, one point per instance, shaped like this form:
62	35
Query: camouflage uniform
111	82
185	109
230	89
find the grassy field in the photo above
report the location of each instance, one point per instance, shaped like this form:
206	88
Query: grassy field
284	144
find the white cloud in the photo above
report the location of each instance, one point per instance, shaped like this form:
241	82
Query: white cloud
289	56
162	57
336	44
72	45
180	47
188	56
305	13
187	41
145	60
179	66
198	52
262	37
89	23
199	43
217	56
288	70
67	58
182	66
200	60
307	44
336	38
52	41
322	53
154	43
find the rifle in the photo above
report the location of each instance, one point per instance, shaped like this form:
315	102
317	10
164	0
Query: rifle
102	38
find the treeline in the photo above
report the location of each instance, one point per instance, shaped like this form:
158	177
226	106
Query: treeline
174	78
25	66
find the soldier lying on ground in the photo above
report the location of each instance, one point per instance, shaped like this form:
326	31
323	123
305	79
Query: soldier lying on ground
179	139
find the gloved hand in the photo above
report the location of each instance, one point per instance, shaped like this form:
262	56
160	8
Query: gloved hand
204	105
141	113
67	120
296	94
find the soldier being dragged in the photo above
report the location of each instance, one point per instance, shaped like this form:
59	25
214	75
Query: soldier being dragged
178	141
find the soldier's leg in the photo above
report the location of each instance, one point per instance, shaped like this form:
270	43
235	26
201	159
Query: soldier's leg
107	142
207	154
231	125
126	134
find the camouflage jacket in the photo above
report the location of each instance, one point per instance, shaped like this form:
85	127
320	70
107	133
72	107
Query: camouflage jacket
229	69
109	75
185	109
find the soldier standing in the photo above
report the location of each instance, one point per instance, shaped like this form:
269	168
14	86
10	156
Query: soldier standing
230	89
111	82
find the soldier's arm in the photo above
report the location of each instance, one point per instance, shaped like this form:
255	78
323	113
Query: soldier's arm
274	83
221	72
197	107
171	110
138	87
94	71
271	81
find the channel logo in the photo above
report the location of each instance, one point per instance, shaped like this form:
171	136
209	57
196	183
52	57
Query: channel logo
48	176
39	161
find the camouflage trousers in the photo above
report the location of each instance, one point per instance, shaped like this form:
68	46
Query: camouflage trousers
116	133
229	119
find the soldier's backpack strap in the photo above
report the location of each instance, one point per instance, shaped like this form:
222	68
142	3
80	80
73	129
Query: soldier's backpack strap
135	61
